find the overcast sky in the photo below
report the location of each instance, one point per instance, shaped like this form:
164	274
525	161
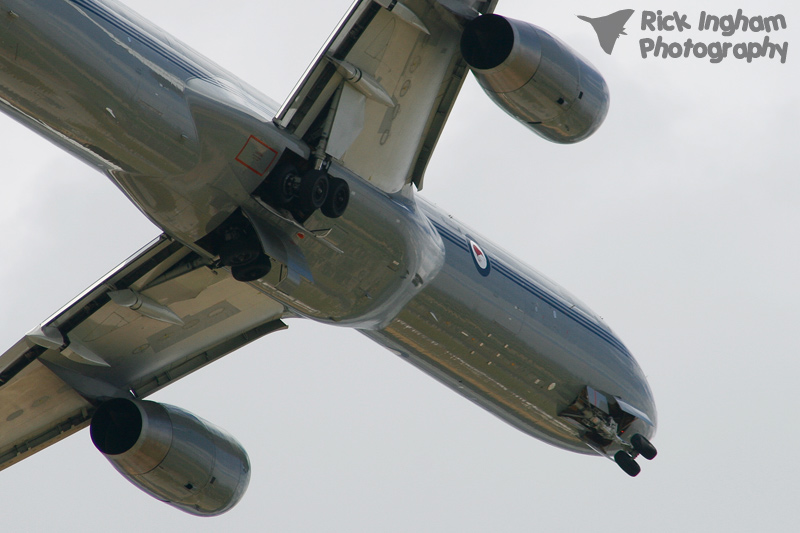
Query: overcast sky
678	222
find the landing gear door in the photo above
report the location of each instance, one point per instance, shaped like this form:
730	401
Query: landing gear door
597	399
631	410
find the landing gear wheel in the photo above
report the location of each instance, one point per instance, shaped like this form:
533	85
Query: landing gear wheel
313	191
255	269
338	198
238	251
283	186
643	446
627	464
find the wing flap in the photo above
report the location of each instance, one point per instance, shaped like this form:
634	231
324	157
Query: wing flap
37	409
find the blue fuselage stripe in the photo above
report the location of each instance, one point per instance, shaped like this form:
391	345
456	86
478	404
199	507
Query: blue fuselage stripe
146	40
534	290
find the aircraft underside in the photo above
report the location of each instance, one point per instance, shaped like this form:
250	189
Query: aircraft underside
309	211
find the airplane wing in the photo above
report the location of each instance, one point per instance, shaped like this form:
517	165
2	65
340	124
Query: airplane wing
157	317
386	81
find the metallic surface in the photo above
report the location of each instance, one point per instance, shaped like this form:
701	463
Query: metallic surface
190	145
177	457
536	78
512	341
366	264
46	395
410	49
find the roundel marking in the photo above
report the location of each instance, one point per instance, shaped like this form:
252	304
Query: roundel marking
479	258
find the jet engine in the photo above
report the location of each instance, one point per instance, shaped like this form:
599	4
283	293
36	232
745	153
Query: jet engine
535	78
172	455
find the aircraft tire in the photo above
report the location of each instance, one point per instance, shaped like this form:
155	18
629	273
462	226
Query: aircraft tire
313	191
239	251
283	187
643	446
338	198
255	269
627	463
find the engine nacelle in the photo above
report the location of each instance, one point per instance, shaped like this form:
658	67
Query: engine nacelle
535	78
172	455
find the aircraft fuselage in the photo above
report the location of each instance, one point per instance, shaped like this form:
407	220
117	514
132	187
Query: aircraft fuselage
189	143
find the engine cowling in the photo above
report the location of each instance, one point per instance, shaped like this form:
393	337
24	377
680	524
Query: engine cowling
535	78
172	455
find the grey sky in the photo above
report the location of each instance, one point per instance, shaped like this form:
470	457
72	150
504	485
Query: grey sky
678	222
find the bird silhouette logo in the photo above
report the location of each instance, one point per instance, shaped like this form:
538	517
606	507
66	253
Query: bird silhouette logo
609	28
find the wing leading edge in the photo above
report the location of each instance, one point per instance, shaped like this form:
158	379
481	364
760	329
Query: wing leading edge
385	81
156	318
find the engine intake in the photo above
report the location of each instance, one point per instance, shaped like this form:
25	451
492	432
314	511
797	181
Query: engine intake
535	78
172	455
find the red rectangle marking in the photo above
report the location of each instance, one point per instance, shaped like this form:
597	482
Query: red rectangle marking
257	156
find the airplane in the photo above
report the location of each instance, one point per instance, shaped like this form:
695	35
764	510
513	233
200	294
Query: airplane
307	210
609	28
